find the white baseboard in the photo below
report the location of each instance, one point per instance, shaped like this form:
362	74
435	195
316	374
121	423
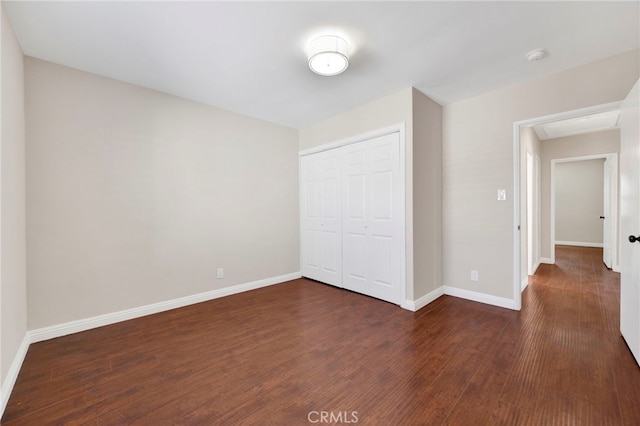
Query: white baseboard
479	297
12	373
524	284
59	330
414	305
547	260
616	268
535	267
71	327
579	244
487	299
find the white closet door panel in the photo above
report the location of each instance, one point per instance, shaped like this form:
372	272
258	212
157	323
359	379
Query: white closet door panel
351	217
356	197
370	229
384	223
311	204
383	272
321	222
382	196
355	237
331	218
355	276
311	253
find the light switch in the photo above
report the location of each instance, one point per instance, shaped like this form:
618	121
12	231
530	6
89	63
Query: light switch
502	194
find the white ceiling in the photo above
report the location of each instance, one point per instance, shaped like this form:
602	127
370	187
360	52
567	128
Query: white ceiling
579	125
249	57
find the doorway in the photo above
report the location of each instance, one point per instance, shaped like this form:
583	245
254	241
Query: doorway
523	216
582	231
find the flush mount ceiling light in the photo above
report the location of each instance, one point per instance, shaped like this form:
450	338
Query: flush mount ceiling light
328	55
537	55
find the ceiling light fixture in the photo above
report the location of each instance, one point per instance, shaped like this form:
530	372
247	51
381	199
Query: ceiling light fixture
328	55
537	55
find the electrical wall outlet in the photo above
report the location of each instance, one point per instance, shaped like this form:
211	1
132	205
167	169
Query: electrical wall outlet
502	194
220	273
475	275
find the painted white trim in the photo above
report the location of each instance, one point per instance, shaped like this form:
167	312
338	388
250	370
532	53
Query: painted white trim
524	283
517	291
535	267
481	297
12	373
71	327
546	260
406	213
517	302
616	268
579	244
538	212
399	127
584	158
569	114
530	214
415	305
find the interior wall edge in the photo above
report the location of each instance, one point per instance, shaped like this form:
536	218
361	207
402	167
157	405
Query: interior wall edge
421	302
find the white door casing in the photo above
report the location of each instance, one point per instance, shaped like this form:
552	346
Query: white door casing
538	212
630	220
606	249
530	215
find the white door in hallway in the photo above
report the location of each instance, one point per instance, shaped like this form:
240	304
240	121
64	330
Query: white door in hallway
609	212
320	220
372	226
630	221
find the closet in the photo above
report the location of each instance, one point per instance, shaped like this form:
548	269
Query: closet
352	223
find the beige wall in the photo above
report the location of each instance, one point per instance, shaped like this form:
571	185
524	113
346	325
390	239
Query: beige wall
136	197
478	160
579	187
13	299
423	133
605	142
529	143
427	194
380	113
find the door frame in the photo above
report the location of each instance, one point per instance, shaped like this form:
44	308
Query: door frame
538	212
406	199
531	185
517	292
614	206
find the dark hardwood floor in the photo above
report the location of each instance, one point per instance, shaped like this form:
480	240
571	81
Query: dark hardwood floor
285	354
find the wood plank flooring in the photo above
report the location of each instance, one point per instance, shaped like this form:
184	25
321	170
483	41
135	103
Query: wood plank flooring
285	354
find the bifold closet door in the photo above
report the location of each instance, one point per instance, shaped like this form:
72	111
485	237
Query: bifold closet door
321	219
371	226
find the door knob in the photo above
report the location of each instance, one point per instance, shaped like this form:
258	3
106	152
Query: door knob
634	239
